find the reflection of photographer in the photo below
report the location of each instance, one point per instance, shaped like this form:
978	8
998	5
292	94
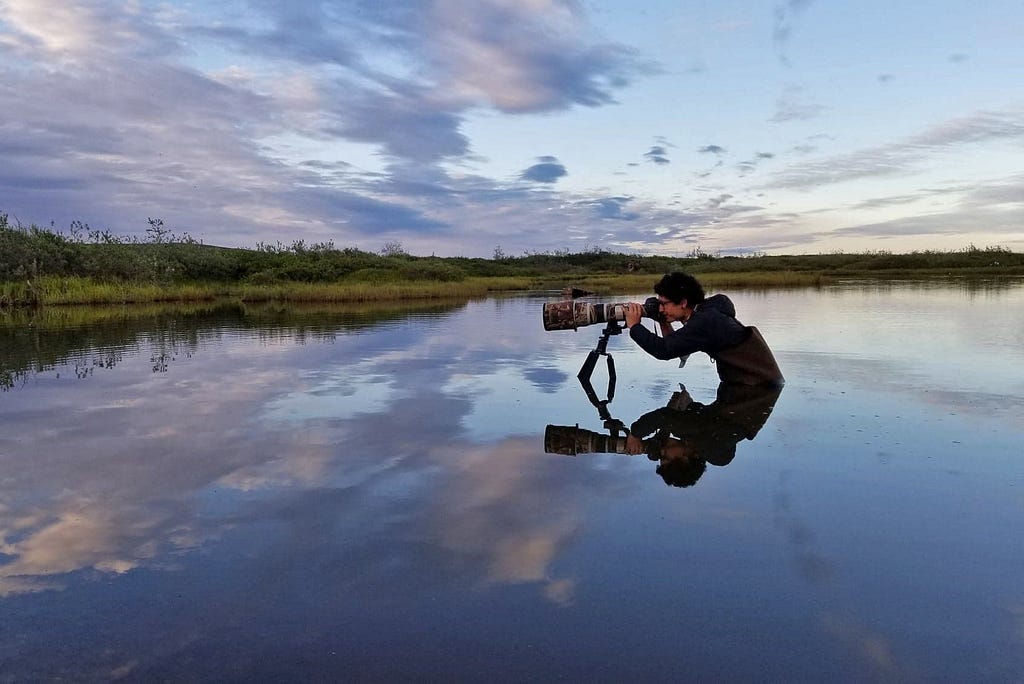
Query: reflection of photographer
683	436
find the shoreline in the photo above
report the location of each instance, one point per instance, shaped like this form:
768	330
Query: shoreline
54	291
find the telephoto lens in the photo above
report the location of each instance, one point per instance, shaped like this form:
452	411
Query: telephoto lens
572	314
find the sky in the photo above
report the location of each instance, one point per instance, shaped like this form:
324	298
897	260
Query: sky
506	127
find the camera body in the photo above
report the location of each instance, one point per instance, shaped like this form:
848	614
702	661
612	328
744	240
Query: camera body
573	314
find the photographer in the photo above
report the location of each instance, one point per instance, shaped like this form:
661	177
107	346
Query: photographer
710	326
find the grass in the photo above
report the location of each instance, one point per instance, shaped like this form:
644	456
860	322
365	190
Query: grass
635	282
373	292
55	290
67	291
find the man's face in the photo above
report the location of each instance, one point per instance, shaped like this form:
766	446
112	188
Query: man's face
672	311
675	450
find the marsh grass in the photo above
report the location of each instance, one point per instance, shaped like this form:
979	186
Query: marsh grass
637	282
374	292
70	291
53	290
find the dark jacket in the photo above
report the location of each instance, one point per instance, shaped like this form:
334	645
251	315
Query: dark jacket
740	352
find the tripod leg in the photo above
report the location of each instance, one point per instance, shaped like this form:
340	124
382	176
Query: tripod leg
588	366
611	378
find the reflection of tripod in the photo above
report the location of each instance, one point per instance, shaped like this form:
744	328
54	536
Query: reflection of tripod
611	328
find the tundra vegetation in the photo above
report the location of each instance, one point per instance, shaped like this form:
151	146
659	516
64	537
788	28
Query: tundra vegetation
47	266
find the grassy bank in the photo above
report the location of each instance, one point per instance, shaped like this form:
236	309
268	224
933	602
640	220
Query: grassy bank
75	290
643	282
47	267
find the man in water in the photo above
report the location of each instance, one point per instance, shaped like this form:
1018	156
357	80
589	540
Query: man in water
710	326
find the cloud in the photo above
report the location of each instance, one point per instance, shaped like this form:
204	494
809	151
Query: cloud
521	57
962	220
352	121
512	56
614	208
716	202
792	107
879	202
369	215
658	152
785	17
160	120
909	155
315	22
73	34
998	207
750	165
402	125
657	155
547	170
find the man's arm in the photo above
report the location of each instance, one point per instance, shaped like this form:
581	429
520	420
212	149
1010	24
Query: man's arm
673	344
663	348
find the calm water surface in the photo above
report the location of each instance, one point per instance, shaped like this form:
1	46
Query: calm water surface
227	494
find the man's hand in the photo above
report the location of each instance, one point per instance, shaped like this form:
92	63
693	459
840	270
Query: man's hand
633	314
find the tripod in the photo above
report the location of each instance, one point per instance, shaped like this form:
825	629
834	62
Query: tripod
612	327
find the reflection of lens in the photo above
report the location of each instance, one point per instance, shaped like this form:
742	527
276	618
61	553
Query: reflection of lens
570	440
560	439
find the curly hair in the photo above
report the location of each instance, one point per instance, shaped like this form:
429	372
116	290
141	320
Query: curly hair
679	286
682	473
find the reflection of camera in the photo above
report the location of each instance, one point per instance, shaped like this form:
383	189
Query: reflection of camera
570	440
572	314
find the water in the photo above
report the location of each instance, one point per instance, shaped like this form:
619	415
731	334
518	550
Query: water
227	494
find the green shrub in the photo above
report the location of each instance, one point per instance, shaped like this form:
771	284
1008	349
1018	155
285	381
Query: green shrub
374	275
432	269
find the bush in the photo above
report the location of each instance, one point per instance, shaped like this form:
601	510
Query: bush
433	269
375	275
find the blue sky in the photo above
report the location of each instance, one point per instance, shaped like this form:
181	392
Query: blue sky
456	127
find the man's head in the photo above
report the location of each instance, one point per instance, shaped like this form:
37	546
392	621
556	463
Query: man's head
678	294
681	473
678	463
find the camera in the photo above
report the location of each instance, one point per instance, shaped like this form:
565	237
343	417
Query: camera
573	314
